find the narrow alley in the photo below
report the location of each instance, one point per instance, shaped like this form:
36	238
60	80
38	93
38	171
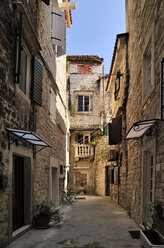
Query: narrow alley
91	222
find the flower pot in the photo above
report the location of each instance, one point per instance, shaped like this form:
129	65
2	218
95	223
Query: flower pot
42	221
151	239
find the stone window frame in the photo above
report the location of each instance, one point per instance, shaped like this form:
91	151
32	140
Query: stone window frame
27	93
52	105
149	46
84	93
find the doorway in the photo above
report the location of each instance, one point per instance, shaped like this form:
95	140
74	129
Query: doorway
55	186
18	192
107	181
148	184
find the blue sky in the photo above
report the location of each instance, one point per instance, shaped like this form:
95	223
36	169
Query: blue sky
95	26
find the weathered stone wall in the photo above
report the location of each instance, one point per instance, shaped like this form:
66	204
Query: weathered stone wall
145	20
53	133
101	158
113	108
15	109
84	80
17	112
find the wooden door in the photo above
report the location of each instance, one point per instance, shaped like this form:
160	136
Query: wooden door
18	192
107	181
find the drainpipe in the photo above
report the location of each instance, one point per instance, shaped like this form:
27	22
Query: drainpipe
18	68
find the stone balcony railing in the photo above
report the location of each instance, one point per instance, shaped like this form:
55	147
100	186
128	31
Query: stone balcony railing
83	150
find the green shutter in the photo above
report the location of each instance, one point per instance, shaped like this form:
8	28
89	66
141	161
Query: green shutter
107	131
37	76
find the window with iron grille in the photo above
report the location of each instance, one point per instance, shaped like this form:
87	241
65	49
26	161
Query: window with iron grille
83	103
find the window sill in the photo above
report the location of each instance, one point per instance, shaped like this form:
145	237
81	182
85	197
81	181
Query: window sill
20	93
84	112
146	98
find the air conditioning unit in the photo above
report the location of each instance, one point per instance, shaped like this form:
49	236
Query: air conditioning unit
113	155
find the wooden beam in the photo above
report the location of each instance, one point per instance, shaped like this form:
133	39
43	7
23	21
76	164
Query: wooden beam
67	5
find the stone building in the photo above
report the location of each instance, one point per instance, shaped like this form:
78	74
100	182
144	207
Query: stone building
109	153
145	171
33	112
85	122
135	177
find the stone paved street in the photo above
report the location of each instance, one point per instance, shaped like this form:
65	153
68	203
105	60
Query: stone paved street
94	222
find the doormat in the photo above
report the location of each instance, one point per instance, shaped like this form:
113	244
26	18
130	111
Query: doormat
135	234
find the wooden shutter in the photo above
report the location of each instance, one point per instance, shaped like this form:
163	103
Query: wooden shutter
37	75
58	35
115	131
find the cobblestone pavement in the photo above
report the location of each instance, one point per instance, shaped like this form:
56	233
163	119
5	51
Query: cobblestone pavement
93	222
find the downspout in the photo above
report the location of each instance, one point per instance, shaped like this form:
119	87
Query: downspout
18	66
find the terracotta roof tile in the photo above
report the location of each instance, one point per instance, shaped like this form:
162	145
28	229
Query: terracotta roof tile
85	58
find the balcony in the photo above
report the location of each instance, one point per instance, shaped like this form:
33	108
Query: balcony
83	151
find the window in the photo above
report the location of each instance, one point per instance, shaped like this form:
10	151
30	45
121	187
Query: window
83	103
52	106
83	139
23	71
148	69
24	82
61	170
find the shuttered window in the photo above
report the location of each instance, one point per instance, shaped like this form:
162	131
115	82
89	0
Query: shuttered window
115	131
23	71
58	30
37	76
83	103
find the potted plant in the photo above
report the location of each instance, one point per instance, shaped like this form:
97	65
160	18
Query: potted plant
43	215
46	213
150	237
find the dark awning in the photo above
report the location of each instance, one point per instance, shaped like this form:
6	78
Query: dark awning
47	2
139	128
27	136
